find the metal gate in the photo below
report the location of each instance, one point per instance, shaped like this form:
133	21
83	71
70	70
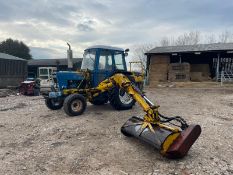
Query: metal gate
222	65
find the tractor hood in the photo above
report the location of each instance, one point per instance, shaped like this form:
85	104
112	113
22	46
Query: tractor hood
68	79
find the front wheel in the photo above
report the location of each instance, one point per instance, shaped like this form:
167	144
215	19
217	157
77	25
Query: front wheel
120	100
74	104
54	104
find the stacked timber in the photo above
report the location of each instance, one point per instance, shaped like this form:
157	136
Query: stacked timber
158	69
179	72
200	72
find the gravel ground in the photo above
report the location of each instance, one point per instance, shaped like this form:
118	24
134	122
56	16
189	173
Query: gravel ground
36	140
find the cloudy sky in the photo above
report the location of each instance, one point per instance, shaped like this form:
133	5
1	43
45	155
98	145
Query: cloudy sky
46	25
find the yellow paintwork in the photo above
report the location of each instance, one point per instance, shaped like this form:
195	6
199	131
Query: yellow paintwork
147	125
168	142
122	81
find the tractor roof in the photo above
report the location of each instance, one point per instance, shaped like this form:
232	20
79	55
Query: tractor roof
105	47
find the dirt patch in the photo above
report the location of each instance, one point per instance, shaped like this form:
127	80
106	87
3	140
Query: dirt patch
8	92
36	140
18	106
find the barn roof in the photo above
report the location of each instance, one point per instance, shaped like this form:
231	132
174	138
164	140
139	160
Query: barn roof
51	62
10	57
192	48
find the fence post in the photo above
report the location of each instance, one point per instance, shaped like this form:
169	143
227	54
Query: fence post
222	74
217	68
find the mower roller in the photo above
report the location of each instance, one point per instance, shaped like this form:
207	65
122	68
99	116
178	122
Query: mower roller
171	144
171	135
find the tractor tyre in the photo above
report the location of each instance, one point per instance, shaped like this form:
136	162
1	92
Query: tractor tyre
53	104
75	104
120	100
98	102
100	99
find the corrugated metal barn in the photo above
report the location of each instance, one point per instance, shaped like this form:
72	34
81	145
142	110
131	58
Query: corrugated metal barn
202	62
13	70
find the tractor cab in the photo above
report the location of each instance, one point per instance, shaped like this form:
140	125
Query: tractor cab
103	61
100	61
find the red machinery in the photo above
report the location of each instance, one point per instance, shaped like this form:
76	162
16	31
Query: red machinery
29	87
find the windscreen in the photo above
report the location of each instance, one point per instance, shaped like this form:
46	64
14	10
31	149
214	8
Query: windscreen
88	60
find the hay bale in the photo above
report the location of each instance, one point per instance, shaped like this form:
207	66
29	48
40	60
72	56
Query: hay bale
158	72
196	76
159	68
203	68
179	67
180	77
179	72
160	59
200	68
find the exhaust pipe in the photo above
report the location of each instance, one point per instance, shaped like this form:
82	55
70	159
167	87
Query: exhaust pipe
70	57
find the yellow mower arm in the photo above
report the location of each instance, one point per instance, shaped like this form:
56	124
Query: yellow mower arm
173	142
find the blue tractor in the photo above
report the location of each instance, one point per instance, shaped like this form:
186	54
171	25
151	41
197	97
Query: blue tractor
104	77
99	63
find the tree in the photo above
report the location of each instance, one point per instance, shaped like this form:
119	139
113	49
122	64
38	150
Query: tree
191	38
15	48
225	37
165	42
140	50
209	39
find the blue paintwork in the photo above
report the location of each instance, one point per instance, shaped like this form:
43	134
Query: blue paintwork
106	73
68	78
64	76
55	94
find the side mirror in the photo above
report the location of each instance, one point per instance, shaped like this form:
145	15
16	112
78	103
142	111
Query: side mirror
127	50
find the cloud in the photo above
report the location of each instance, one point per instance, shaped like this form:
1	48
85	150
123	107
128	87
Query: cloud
86	26
47	25
43	53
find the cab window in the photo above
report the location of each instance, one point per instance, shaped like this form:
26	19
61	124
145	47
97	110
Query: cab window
105	60
119	61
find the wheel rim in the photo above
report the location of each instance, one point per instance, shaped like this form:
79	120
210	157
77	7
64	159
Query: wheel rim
76	105
124	97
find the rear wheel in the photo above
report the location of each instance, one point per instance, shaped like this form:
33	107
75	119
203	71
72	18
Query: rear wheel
75	104
100	99
54	104
120	100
